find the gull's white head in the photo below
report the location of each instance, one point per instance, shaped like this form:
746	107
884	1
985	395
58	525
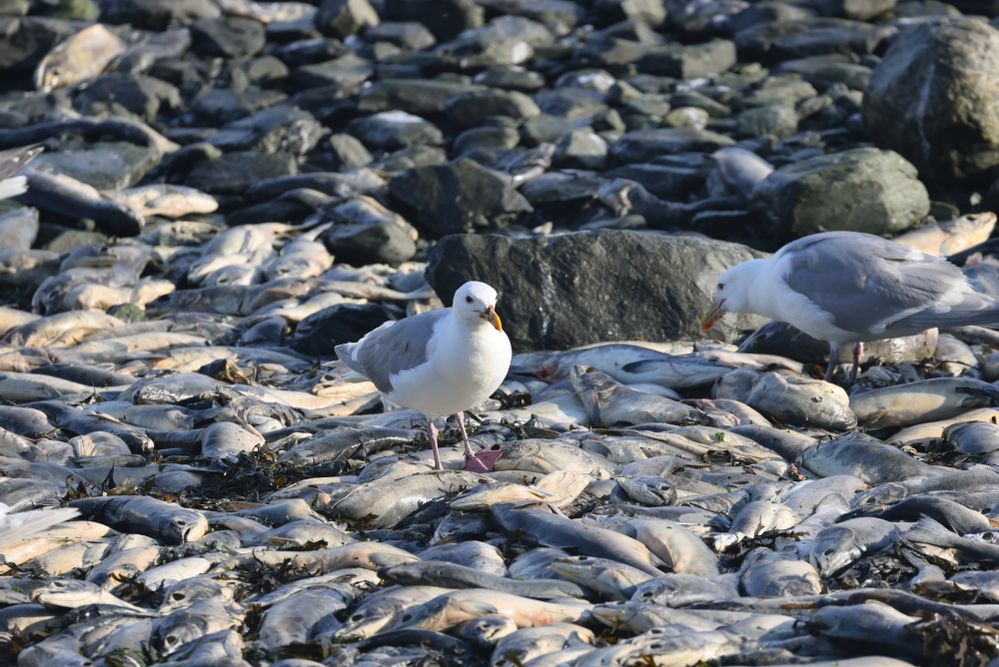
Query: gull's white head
474	303
734	292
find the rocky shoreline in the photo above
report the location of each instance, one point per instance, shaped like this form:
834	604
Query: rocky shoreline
229	189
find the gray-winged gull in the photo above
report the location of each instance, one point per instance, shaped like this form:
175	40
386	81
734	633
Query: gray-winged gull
850	287
440	362
11	160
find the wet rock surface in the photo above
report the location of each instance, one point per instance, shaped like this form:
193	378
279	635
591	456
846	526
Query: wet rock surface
229	189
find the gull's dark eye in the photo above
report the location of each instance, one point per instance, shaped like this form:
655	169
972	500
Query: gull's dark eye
468	299
721	285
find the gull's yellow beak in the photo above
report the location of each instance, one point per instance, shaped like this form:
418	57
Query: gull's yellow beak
715	313
490	315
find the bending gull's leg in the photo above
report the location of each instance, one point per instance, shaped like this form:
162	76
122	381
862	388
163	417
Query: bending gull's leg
432	432
858	351
833	358
481	462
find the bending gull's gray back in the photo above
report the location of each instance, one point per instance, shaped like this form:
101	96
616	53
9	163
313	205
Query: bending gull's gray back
855	276
392	348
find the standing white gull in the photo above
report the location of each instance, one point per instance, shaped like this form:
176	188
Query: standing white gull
440	363
849	287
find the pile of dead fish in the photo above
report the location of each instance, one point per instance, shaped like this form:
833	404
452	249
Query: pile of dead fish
229	188
234	504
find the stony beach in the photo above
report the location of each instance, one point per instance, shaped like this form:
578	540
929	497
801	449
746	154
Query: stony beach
229	189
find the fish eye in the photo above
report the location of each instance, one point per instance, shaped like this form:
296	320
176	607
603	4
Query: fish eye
468	299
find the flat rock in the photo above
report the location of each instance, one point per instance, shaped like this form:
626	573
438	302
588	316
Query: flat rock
458	197
862	189
932	98
666	287
342	18
227	36
644	145
475	107
234	173
781	40
279	128
416	96
135	93
444	18
104	165
395	129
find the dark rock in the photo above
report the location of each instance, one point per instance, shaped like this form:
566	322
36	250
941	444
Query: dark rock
13	7
510	78
703	16
773	42
416	96
582	149
588	287
320	332
264	70
859	10
766	12
649	12
135	93
410	158
227	36
408	35
571	103
444	18
546	129
644	145
347	152
279	128
674	181
234	173
342	18
559	16
507	40
689	62
855	77
348	73
103	165
476	107
309	51
932	98
778	120
862	189
389	240
156	14
491	136
395	129
223	106
458	197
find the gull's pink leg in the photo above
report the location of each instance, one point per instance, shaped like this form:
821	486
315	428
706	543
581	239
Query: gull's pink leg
481	462
858	351
432	432
833	358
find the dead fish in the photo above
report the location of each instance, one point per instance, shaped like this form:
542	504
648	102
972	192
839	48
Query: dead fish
802	401
865	458
609	402
952	236
64	195
167	522
18	228
169	201
841	544
923	401
77	58
740	170
452	575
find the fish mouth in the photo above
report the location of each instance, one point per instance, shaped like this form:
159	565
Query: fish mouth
709	319
490	315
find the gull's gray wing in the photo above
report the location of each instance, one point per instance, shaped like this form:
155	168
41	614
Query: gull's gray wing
392	348
870	285
13	159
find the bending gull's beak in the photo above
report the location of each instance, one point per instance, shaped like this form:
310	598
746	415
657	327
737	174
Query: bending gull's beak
489	315
715	313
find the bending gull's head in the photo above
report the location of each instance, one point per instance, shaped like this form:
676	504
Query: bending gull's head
734	292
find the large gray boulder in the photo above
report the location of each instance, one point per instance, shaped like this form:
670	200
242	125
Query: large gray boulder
933	98
861	190
562	291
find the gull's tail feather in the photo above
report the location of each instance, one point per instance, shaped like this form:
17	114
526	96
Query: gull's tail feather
13	159
14	186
